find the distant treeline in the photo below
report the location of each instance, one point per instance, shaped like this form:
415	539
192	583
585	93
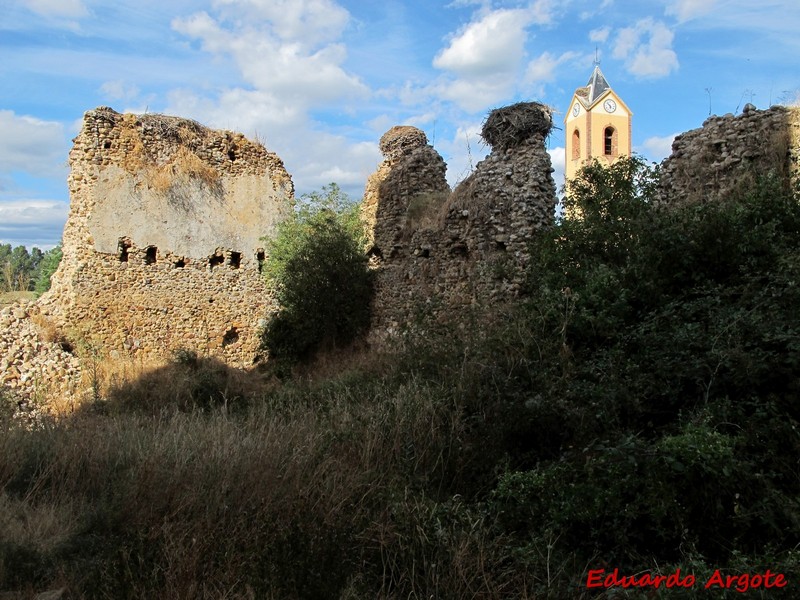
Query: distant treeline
22	271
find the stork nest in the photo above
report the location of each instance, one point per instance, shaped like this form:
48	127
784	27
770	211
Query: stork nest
510	126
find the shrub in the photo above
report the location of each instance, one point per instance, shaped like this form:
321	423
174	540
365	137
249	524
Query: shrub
319	270
663	378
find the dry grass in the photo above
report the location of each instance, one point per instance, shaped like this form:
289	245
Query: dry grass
182	167
423	211
166	176
7	298
466	196
287	503
311	490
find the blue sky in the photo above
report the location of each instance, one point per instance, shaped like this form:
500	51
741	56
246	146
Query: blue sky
319	81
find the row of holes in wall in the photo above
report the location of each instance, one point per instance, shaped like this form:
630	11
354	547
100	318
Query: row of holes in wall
215	260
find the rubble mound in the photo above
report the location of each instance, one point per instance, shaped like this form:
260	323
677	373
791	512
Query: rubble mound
401	140
510	126
33	370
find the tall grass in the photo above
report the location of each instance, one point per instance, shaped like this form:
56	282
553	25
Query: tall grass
314	492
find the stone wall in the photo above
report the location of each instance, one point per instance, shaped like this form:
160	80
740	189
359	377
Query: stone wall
162	247
727	153
454	250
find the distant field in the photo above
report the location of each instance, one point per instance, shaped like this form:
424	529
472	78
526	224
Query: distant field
7	298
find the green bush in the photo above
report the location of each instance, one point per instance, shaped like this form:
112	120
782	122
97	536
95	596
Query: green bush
48	265
662	385
319	270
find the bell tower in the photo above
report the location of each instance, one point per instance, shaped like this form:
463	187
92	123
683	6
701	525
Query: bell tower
597	125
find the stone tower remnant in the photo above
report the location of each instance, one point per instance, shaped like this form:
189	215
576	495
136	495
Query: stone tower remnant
163	244
466	248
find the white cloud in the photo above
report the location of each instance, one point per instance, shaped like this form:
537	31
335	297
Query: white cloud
70	9
657	148
332	158
32	222
646	49
599	35
543	12
309	22
476	94
300	67
31	145
558	159
463	151
313	157
684	10
288	54
485	57
252	111
493	44
463	3
119	90
381	124
543	68
595	10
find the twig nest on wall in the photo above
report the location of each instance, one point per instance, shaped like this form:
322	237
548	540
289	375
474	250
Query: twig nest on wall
510	126
401	140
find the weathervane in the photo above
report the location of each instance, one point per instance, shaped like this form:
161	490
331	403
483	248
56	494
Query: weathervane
596	57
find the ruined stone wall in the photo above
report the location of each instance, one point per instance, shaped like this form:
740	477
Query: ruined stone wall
467	248
727	153
162	247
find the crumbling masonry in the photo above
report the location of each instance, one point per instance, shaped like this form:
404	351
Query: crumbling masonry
728	153
438	252
163	244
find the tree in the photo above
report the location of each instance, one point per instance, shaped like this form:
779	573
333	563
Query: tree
46	267
599	191
319	270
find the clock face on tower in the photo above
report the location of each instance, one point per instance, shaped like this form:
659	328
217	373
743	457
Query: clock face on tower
610	105
576	109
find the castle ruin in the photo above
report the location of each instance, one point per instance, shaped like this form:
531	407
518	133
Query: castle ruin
447	251
164	248
728	153
163	245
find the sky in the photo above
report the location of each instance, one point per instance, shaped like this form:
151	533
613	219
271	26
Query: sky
319	81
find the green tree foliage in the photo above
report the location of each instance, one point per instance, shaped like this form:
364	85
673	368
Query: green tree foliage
317	265
19	269
47	266
665	356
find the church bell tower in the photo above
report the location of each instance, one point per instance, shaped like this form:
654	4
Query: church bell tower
597	125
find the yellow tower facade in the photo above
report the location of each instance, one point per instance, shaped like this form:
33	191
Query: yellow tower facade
597	125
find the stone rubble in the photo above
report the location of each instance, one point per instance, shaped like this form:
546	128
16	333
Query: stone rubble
32	369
